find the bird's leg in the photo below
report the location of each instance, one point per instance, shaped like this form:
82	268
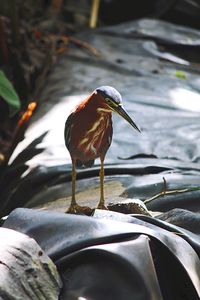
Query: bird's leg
101	204
73	205
73	202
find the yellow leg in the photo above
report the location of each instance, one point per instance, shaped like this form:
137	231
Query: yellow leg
73	206
101	204
73	202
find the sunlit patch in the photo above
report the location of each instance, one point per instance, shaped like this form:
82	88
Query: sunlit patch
88	195
185	99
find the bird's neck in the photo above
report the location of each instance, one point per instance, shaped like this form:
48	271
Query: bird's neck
94	104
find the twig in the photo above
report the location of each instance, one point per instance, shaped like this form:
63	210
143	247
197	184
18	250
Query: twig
85	45
94	13
81	44
170	192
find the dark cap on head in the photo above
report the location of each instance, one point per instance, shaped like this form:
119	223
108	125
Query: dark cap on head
110	92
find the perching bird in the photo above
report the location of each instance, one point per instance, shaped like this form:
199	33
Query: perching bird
88	133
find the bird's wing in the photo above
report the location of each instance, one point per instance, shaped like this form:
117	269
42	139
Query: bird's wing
68	125
67	134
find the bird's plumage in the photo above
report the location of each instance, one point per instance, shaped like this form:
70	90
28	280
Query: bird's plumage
88	130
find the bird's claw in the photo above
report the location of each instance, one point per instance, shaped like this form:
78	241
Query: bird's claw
102	206
76	209
73	209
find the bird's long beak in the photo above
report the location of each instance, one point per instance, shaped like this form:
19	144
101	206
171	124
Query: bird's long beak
121	111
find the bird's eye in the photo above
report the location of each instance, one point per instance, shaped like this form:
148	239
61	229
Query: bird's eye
108	100
111	102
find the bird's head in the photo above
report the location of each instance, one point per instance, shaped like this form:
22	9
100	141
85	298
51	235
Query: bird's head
113	101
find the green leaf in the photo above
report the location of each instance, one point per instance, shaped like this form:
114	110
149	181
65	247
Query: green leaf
8	93
180	74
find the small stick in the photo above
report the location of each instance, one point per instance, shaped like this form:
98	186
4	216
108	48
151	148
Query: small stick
170	192
85	45
94	13
164	185
82	44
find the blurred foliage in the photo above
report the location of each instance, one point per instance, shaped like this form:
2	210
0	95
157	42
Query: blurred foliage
24	44
180	74
8	94
25	58
32	36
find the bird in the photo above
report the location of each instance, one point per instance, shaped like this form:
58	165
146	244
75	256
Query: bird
88	134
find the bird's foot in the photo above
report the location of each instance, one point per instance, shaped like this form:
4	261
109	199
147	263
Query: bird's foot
76	209
102	206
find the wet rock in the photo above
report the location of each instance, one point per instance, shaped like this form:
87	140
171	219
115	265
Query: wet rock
26	271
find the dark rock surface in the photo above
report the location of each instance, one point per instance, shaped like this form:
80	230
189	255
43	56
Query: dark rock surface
26	271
